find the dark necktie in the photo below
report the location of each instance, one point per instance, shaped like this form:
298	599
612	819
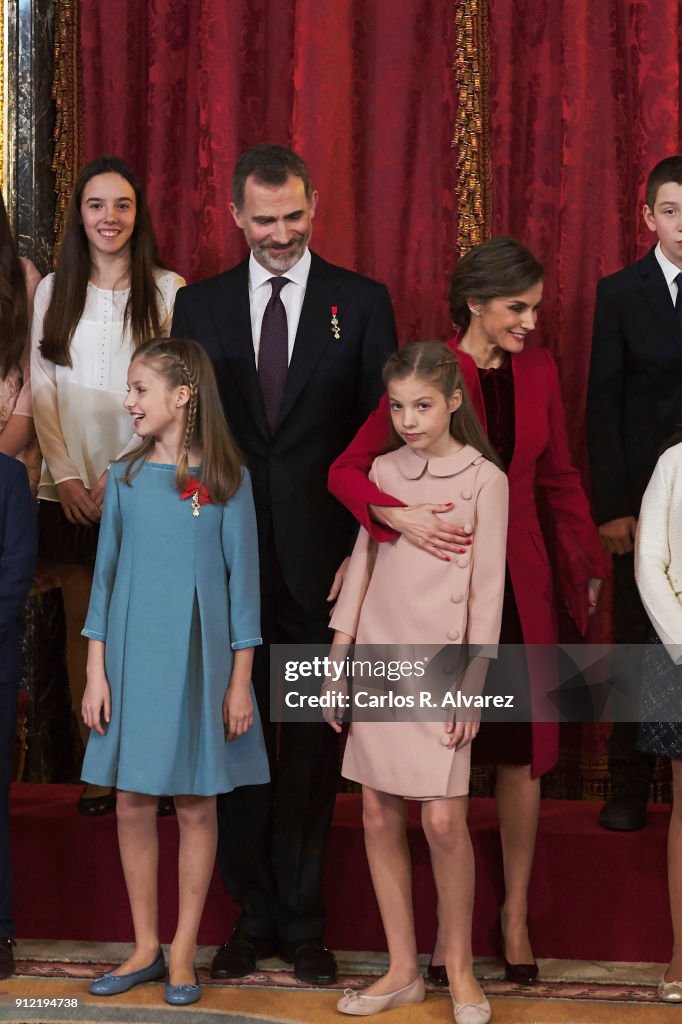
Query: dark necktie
273	353
678	300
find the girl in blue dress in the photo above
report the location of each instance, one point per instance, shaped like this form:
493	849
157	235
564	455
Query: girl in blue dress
172	623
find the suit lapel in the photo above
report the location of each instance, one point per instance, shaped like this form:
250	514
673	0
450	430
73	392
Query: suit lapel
654	288
232	324
314	334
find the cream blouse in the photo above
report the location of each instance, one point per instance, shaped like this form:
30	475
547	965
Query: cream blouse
658	550
78	410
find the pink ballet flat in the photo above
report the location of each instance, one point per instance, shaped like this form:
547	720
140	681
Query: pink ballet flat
359	1005
472	1013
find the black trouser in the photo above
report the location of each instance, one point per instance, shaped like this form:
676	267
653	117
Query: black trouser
631	771
8	731
272	839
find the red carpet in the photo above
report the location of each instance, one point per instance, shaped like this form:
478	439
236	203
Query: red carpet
595	895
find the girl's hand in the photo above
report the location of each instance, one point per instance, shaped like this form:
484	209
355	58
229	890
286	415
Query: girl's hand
97	492
237	711
96	701
458	734
593	589
338	581
77	503
423	527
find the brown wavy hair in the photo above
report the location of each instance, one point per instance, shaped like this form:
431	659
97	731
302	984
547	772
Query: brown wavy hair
495	269
13	300
435	364
74	268
179	362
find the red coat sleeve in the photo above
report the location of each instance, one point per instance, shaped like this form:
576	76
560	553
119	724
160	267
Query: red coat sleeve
348	476
348	479
580	556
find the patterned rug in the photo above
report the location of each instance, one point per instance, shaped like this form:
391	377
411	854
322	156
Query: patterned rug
52	982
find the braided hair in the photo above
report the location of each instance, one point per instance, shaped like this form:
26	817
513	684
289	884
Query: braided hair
184	363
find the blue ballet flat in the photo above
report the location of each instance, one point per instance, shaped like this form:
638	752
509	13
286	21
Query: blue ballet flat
183	995
115	984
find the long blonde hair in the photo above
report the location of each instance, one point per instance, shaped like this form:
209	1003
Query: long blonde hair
182	362
436	364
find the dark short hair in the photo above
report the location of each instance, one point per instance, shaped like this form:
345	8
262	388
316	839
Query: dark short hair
494	269
666	170
270	165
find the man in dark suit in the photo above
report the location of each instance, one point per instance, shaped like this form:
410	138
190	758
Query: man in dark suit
18	546
634	405
297	345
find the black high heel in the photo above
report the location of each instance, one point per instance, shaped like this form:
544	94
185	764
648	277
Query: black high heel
437	974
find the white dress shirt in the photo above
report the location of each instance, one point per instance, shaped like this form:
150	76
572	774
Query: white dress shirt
78	410
292	296
670	271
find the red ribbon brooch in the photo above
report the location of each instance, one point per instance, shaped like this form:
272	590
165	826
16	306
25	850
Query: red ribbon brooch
198	493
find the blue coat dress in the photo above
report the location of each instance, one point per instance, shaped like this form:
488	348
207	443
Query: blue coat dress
173	595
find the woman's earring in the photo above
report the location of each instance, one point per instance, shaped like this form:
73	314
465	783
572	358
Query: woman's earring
177	405
475	312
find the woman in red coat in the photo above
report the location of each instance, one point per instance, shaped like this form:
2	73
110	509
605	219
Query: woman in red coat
494	294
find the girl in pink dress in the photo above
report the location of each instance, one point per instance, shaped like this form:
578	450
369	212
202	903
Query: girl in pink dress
393	595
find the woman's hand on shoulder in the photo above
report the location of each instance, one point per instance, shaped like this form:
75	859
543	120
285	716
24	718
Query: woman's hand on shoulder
77	503
237	711
423	526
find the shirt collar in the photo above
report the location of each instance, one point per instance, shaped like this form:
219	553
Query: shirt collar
669	269
413	465
259	275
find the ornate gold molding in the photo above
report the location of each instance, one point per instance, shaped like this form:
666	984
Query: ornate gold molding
66	94
471	139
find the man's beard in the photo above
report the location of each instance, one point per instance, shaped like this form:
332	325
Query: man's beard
282	259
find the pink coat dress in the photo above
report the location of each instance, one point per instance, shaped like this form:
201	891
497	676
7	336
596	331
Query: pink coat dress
396	594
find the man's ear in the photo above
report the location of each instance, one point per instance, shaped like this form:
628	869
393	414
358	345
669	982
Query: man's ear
236	215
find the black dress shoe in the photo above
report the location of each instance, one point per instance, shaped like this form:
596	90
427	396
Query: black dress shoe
314	964
623	813
165	807
437	974
96	806
520	974
239	956
6	958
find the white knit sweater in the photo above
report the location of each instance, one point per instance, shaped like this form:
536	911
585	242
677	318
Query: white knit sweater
658	550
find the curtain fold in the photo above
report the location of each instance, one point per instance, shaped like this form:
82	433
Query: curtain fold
362	91
584	100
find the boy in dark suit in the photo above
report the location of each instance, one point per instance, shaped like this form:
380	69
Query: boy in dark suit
18	546
634	405
298	346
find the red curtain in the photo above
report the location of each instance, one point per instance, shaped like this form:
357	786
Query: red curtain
362	90
585	99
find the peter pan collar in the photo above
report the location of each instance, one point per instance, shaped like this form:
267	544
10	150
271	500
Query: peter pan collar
412	465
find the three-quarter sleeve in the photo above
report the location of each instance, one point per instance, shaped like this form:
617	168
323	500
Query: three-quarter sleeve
106	564
240	551
348	480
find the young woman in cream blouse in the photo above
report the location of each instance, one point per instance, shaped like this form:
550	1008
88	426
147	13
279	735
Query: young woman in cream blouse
108	295
658	570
